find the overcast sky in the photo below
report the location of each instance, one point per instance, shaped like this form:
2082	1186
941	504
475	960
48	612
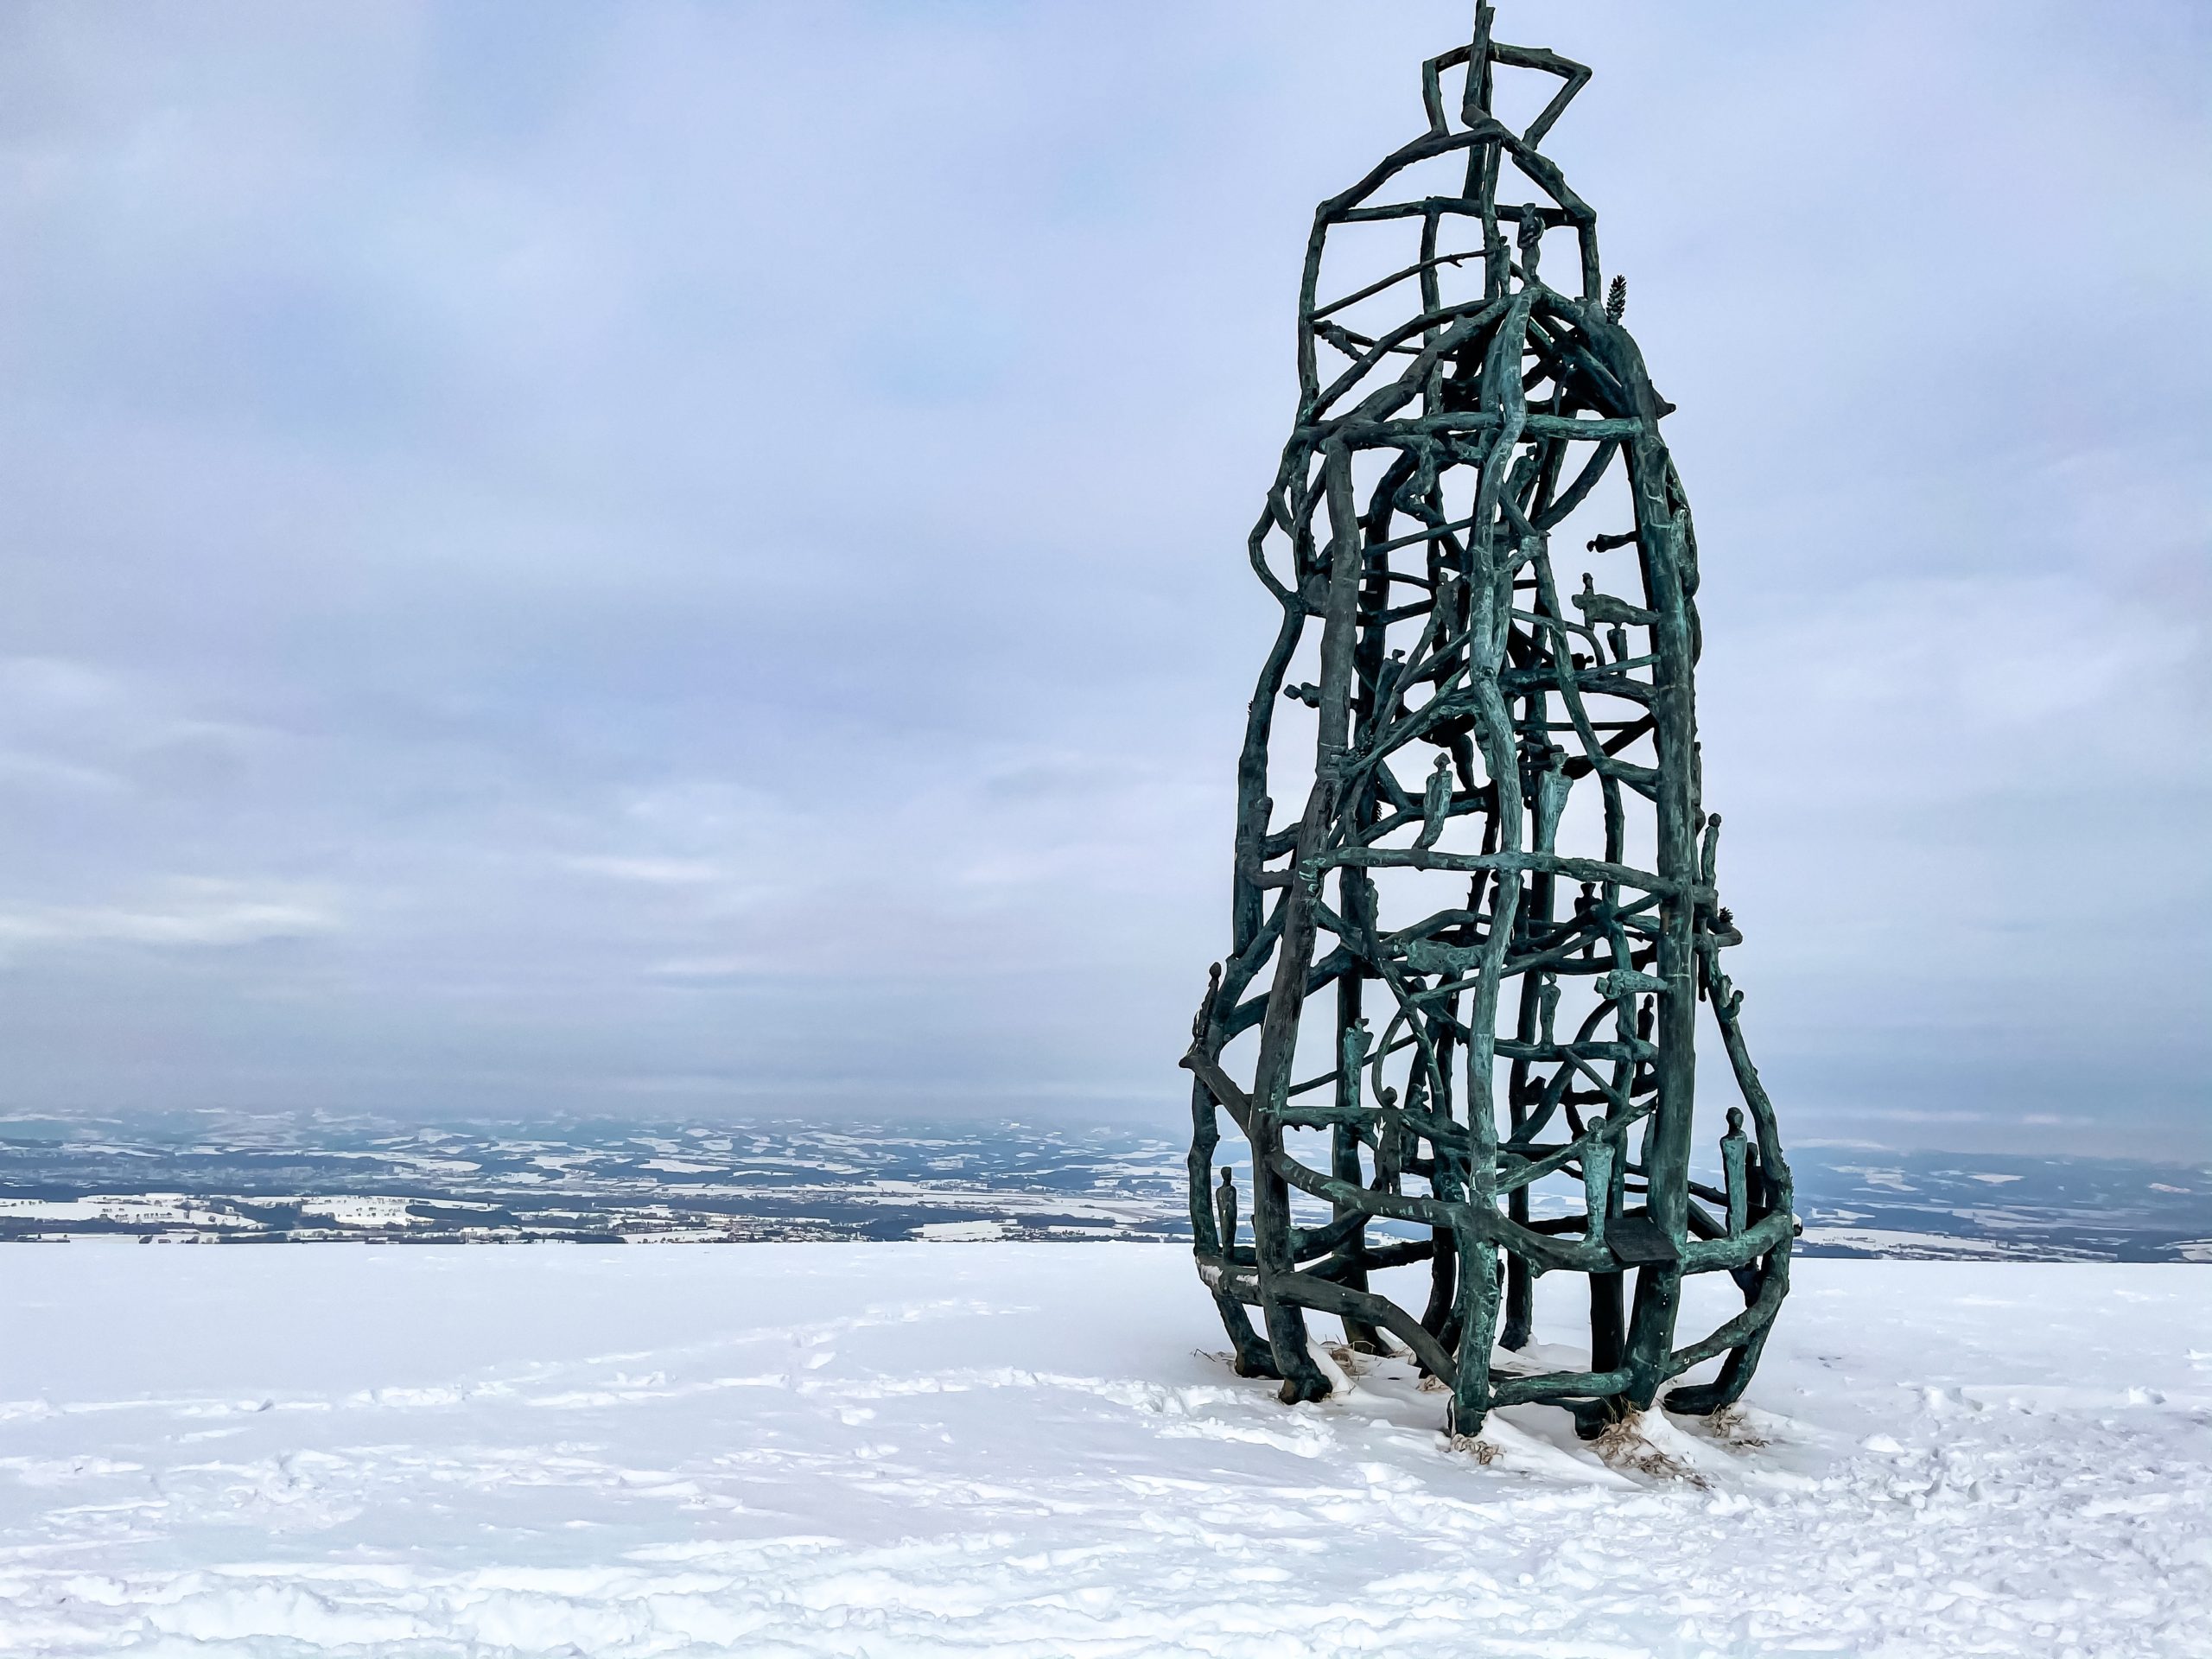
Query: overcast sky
688	559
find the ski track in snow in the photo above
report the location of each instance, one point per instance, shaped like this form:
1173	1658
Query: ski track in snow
1034	1450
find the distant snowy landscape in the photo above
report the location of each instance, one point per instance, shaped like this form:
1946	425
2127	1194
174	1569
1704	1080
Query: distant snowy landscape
215	1177
1037	1450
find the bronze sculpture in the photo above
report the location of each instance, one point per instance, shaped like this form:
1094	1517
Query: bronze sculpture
1456	412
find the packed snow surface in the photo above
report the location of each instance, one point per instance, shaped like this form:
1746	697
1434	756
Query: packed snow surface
1035	1450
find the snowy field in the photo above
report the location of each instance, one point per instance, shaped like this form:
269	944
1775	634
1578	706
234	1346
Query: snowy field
267	1178
1014	1449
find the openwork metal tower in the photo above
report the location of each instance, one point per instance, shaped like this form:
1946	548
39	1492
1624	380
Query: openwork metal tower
1456	1024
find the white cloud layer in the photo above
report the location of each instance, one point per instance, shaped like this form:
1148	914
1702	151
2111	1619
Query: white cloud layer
698	549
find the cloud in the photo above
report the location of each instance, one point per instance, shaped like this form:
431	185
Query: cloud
193	915
711	967
653	872
718	531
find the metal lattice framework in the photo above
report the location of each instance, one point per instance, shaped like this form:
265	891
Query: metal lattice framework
1502	857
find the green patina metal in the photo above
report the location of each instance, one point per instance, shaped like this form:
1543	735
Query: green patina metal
1501	859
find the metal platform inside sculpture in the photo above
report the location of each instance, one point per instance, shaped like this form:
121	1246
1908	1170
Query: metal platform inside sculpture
1470	958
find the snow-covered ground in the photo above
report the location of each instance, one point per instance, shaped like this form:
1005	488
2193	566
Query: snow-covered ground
1017	1449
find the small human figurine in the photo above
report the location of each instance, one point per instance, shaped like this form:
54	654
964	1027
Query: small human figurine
1531	241
1436	803
1352	1057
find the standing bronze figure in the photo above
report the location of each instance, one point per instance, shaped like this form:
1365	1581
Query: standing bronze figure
1463	980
